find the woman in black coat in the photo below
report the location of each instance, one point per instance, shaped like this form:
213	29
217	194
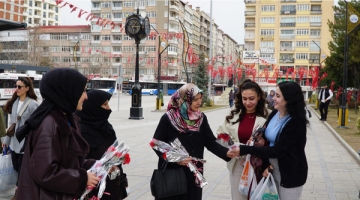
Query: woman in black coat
99	134
286	132
183	120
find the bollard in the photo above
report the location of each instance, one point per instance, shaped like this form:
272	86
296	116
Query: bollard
317	104
346	116
158	103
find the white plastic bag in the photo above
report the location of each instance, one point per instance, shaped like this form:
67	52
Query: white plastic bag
266	190
246	177
8	176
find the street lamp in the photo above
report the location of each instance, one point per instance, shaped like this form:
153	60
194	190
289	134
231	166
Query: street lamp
138	28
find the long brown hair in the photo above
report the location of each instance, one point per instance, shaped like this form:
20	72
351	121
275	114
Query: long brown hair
30	93
261	111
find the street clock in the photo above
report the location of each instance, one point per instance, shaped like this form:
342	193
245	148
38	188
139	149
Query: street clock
137	27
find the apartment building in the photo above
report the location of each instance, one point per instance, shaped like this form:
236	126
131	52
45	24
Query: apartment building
37	12
287	33
11	10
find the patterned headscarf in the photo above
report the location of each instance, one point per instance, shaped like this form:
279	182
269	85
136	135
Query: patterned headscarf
179	109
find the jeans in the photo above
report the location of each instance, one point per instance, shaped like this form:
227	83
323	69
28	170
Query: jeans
231	101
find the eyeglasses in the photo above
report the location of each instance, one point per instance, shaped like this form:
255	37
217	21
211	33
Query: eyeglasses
19	86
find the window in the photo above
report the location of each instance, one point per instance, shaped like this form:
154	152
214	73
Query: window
117	48
95	27
302	32
150	71
56	24
316	19
166	14
128	48
302	19
30	3
141	3
314	46
66	59
314	57
29	20
152	25
165	26
126	14
106	4
172	48
150	48
302	44
96	37
287	32
127	38
303	7
44	14
106	48
85	36
150	38
12	17
288	20
44	22
266	55
286	44
105	15
288	8
117	4
117	37
55	59
30	11
262	67
267	32
166	2
267	44
128	4
85	60
44	6
268	20
151	3
56	9
54	49
107	27
316	8
151	14
267	8
65	48
117	15
315	32
96	4
105	37
302	56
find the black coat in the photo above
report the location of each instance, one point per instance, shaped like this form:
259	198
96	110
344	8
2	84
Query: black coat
289	150
194	143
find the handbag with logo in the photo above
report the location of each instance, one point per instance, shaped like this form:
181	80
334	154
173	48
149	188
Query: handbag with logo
168	182
11	130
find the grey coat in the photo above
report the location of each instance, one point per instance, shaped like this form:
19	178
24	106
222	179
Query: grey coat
14	144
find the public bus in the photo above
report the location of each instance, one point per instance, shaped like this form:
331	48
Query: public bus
108	85
150	87
8	82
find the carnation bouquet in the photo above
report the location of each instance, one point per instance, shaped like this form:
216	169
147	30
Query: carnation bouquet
226	141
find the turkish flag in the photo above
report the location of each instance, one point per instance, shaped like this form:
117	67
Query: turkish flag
307	82
129	59
148	62
90	50
172	62
332	85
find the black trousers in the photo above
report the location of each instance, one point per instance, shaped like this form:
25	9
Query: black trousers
324	109
17	161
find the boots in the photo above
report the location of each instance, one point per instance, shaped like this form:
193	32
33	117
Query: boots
14	197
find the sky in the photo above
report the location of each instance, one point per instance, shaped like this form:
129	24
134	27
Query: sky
228	14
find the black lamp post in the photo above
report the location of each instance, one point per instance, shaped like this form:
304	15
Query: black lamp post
138	28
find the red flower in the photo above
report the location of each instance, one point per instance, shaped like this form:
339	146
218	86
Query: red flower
127	159
118	154
112	149
152	144
164	155
224	136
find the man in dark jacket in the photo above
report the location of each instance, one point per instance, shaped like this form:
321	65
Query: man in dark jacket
325	96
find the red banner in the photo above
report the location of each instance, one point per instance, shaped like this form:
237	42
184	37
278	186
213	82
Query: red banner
332	85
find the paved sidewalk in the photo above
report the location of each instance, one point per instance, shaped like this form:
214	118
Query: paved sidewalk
333	173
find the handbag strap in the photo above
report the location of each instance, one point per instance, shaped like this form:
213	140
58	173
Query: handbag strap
163	168
22	111
280	129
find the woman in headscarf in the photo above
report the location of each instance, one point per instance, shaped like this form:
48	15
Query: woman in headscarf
184	121
270	100
100	135
54	164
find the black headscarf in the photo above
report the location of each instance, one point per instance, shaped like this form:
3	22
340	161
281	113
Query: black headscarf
94	124
61	88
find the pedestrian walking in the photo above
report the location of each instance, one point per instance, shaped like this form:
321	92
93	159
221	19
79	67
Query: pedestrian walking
286	132
325	96
184	121
231	98
2	129
100	135
54	165
22	103
270	100
249	112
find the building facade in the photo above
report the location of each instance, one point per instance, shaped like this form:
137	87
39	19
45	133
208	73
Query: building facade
37	12
286	33
11	10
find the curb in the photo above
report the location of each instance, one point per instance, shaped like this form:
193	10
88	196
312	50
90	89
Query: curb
215	109
352	152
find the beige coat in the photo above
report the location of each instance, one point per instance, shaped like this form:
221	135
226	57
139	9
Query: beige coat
232	130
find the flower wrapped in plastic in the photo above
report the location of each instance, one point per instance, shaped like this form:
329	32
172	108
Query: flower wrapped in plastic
226	141
115	155
176	152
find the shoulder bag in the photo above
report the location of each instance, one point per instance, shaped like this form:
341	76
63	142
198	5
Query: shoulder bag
11	130
168	182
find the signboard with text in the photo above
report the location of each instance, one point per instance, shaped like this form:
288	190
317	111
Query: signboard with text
256	60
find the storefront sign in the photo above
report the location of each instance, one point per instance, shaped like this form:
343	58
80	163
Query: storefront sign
251	55
267	50
256	60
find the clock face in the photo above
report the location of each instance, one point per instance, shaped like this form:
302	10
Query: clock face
133	26
147	26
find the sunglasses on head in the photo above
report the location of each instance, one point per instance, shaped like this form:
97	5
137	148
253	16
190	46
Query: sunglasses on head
19	86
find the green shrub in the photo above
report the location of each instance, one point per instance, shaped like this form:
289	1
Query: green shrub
313	98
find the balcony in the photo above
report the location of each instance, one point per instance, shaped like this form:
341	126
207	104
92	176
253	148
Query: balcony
97	8
250	13
174	8
203	24
287	60
116	41
95	30
249	37
315	12
287	37
203	43
289	24
288	12
314	60
173	42
173	30
287	1
172	53
248	25
116	52
204	34
173	19
95	41
287	48
315	23
115	30
116	8
249	1
117	19
315	36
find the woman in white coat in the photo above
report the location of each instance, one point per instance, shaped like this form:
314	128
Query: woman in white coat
249	113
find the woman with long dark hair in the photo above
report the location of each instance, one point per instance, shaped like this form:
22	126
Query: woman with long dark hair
249	113
54	165
99	134
184	121
286	132
24	98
